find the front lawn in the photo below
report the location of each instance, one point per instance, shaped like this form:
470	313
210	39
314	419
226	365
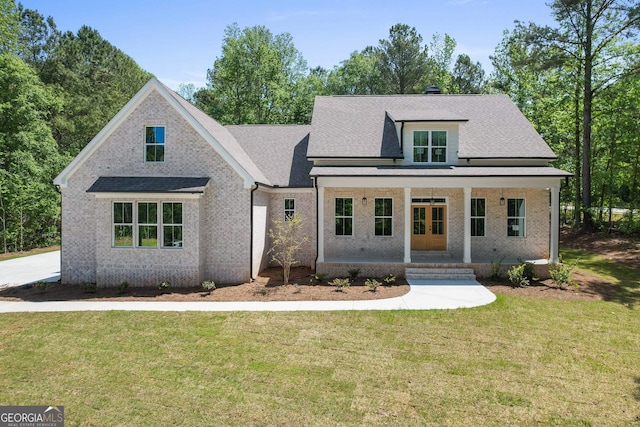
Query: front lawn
518	361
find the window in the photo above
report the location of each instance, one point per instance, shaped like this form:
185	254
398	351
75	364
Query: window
344	216
430	146
123	225
289	208
172	225
148	225
516	217
154	144
478	216
383	217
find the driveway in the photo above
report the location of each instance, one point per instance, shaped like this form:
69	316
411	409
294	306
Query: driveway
30	269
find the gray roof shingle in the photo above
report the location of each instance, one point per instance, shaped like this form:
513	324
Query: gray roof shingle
357	126
163	184
280	151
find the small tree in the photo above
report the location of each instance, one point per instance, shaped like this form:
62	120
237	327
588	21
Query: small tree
286	243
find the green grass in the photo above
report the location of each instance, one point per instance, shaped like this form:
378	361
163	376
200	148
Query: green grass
518	361
626	278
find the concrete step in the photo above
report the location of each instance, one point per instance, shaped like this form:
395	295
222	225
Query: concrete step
434	273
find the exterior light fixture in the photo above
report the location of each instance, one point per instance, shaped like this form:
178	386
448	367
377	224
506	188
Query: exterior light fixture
364	198
502	200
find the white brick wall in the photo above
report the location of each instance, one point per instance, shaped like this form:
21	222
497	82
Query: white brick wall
216	245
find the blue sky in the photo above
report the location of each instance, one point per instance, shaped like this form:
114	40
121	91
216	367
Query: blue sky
178	41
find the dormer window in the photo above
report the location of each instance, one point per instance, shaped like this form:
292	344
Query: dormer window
154	144
430	146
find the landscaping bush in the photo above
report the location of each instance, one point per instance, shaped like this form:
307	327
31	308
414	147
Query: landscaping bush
354	273
340	284
208	285
517	276
495	272
560	274
528	269
42	286
164	286
372	284
389	279
318	278
123	288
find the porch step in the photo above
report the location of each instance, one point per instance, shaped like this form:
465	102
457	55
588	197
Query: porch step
439	273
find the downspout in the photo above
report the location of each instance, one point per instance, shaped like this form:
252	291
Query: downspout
315	185
402	138
251	233
57	187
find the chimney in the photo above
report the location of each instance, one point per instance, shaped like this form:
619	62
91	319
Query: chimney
432	90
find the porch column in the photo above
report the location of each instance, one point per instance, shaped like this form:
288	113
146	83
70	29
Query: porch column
555	225
467	226
407	225
320	224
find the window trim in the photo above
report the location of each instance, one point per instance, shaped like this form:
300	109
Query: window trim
479	217
154	144
114	224
429	147
139	224
180	224
289	212
135	224
376	217
345	217
523	218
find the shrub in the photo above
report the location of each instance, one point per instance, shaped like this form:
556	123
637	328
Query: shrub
560	274
517	276
89	287
208	285
318	277
495	272
42	286
164	286
123	288
527	269
389	279
354	273
372	284
340	284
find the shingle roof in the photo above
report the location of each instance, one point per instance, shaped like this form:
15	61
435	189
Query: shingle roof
445	172
358	126
126	184
224	138
280	151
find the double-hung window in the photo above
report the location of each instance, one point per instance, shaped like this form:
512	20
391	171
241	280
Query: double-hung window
344	216
154	144
478	217
430	146
383	217
172	225
143	224
289	208
148	225
123	224
516	217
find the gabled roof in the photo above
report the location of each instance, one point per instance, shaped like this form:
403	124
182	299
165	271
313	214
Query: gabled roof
280	151
491	126
213	132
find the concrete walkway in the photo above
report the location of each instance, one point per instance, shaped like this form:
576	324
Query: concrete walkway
423	295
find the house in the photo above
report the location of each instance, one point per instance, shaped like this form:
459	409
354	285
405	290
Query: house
164	192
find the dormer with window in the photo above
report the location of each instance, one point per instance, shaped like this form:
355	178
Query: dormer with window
428	137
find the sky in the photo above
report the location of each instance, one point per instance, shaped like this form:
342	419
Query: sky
178	41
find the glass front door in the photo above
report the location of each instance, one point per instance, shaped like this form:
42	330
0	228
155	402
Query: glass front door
429	228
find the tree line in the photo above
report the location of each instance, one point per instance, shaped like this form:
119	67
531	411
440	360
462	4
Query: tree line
577	82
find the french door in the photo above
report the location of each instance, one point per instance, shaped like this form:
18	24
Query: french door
429	228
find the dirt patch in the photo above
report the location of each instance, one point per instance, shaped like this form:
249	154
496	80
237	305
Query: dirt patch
613	246
267	287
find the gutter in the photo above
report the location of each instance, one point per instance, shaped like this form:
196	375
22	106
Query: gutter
315	262
251	275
